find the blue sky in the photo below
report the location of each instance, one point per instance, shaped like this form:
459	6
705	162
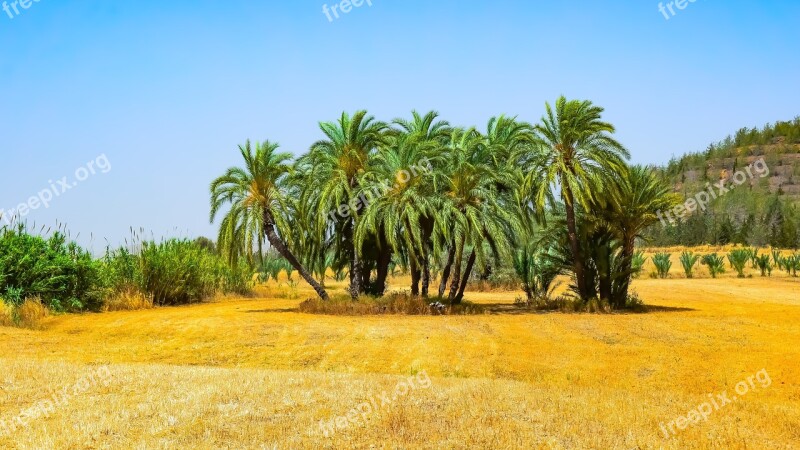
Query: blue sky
166	90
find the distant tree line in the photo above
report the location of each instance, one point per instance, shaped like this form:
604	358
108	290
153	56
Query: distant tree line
776	223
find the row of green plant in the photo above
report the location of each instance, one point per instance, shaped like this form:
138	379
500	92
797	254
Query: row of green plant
67	278
738	260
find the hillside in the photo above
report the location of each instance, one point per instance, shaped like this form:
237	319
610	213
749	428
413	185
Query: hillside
751	181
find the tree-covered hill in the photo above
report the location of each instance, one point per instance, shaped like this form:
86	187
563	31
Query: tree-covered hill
753	184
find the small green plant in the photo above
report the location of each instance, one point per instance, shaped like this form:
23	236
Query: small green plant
776	258
764	265
637	263
715	263
753	253
662	263
738	259
537	272
792	264
688	261
785	263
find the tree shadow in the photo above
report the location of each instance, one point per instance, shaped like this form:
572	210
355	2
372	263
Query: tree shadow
515	310
274	310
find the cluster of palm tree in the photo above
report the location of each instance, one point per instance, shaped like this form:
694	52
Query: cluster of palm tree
562	185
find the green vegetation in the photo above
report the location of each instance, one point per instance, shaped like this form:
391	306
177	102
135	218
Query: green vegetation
764	265
637	265
764	210
663	264
63	277
537	271
59	273
433	199
173	272
515	204
688	261
738	259
715	264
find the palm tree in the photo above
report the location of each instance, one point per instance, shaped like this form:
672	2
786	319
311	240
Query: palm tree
401	204
257	191
576	152
431	133
476	217
636	200
332	169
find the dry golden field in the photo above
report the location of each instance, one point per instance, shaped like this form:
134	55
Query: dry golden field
255	374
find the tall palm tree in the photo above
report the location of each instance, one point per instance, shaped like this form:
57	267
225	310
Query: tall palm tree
477	219
401	186
433	133
577	153
333	167
257	191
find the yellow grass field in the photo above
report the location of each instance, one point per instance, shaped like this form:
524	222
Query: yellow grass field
255	374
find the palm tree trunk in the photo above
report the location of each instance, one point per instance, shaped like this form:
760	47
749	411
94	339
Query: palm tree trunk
384	259
355	275
627	265
451	255
457	272
415	275
465	278
569	201
426	275
427	229
277	244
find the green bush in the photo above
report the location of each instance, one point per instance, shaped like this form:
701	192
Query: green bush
63	275
688	261
738	260
174	272
272	266
791	264
537	273
715	263
764	265
637	264
662	263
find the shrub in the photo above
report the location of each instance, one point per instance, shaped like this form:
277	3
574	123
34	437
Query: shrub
688	261
792	264
776	257
61	274
738	260
537	273
715	263
763	263
173	272
637	264
662	263
752	257
271	267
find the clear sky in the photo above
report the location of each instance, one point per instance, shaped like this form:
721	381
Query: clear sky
167	89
